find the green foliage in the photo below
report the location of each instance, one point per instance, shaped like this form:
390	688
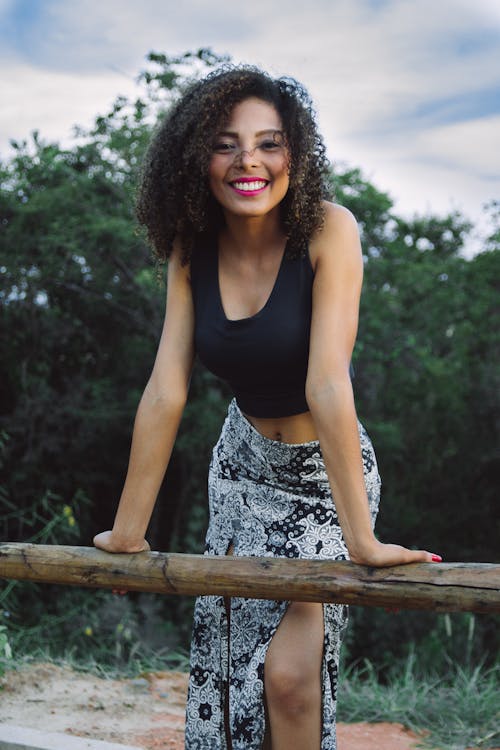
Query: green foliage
82	310
82	314
5	649
82	306
93	630
428	380
451	711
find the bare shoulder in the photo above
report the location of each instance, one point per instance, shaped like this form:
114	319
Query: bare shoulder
338	215
338	237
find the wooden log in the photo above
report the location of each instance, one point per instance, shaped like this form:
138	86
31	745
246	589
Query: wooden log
441	587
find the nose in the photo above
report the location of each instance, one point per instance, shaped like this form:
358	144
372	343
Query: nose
246	157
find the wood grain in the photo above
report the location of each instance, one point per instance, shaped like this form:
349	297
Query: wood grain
441	587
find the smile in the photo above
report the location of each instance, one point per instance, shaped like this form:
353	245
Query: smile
249	187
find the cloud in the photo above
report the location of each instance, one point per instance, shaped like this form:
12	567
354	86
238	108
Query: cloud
473	147
53	102
408	90
85	36
459	107
440	170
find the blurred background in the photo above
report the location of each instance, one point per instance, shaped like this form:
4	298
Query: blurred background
408	100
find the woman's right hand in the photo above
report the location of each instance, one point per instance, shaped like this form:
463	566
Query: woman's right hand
109	543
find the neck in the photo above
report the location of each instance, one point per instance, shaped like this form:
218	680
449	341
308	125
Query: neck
253	235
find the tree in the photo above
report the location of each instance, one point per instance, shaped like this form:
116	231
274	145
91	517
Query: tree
82	303
82	306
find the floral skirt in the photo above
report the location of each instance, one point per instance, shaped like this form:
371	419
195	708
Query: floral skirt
266	498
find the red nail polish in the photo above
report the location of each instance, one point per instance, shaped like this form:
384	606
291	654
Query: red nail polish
437	558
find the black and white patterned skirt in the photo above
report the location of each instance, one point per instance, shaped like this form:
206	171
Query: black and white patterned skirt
266	498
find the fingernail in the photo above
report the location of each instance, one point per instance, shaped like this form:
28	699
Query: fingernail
437	558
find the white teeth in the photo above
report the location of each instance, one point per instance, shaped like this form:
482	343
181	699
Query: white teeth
254	185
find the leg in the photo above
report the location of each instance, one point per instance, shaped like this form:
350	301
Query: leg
292	678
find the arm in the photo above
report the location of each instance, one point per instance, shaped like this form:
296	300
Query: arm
336	255
158	417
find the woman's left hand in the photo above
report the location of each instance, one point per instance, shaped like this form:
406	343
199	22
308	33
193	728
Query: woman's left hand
381	555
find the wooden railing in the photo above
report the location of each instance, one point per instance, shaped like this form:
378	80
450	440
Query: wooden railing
441	587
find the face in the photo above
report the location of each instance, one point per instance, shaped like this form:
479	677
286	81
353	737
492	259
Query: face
248	171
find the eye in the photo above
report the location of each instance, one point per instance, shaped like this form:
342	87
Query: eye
269	145
224	147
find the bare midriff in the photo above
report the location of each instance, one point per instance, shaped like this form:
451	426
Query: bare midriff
299	428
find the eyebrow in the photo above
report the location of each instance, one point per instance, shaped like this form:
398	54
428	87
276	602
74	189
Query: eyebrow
232	134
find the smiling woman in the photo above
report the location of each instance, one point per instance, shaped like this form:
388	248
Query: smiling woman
198	135
264	280
249	167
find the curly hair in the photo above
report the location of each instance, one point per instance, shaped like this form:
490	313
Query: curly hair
174	198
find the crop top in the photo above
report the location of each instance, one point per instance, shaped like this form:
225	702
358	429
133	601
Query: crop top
263	357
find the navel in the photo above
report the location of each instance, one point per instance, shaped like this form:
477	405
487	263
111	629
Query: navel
279	436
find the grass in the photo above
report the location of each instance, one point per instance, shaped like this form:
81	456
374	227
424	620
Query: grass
118	663
104	634
177	661
454	708
93	631
453	712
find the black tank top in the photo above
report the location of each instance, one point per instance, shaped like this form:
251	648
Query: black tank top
264	357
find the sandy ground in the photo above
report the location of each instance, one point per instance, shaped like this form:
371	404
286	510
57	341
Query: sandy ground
147	712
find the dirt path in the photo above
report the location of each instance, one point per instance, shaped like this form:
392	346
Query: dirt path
147	711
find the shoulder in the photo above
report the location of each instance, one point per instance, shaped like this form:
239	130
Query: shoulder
338	238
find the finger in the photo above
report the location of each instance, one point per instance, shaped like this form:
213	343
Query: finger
424	556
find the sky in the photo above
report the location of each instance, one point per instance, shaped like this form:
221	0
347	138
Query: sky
407	90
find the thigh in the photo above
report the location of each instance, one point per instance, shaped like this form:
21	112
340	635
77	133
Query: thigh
296	649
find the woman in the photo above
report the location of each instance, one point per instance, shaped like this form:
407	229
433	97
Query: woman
264	279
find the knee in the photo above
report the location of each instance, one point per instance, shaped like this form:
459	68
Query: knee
291	691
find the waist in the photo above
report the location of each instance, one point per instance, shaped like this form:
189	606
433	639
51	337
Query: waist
298	428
